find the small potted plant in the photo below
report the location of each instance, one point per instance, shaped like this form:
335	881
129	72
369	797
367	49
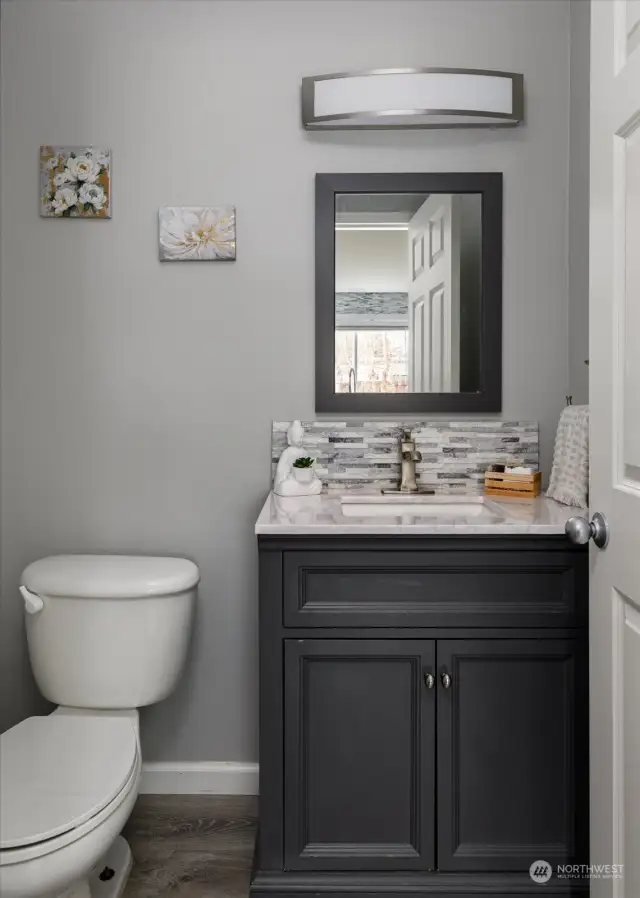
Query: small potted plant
302	469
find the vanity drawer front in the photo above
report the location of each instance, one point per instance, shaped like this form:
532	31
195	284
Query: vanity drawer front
347	588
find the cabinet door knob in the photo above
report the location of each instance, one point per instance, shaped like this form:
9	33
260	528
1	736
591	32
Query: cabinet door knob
429	680
445	679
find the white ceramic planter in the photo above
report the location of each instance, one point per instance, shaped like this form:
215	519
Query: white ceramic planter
303	475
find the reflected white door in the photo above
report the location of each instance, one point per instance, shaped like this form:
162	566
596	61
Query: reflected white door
434	296
614	374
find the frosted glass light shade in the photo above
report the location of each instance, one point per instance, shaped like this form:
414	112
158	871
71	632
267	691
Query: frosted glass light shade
412	98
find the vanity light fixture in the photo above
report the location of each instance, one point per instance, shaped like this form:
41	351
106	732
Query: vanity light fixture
412	98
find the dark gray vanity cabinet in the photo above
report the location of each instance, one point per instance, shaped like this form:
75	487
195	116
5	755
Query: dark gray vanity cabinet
423	715
360	749
510	730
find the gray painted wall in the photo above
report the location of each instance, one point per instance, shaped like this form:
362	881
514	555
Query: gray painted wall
137	398
580	15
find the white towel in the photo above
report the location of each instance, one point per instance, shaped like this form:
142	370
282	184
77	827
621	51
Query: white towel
569	481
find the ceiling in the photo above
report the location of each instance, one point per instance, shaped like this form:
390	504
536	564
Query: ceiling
376	208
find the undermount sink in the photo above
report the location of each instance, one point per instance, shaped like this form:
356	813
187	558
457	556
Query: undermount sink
417	505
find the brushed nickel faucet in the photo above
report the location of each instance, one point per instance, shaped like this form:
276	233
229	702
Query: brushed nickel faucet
410	455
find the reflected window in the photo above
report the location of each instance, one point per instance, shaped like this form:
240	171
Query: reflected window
372	361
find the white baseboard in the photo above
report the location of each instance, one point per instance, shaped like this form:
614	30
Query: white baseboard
199	777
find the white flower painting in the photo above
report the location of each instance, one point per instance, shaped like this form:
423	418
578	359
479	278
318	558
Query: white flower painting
75	182
197	233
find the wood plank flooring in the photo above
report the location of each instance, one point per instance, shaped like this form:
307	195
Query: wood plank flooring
191	846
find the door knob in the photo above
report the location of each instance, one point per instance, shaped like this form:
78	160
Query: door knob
580	530
429	680
445	679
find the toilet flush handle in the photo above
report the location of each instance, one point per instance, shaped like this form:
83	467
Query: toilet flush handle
32	602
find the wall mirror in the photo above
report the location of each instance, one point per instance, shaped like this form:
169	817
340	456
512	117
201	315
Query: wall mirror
408	292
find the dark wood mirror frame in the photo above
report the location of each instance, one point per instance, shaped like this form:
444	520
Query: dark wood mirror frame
489	397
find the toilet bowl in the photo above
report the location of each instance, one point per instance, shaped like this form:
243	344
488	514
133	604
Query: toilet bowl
110	631
68	783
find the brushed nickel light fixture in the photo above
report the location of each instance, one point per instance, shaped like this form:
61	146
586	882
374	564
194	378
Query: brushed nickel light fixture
412	98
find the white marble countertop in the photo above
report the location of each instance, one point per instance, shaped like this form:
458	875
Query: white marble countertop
324	515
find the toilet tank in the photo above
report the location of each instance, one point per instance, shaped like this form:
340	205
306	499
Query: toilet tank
108	631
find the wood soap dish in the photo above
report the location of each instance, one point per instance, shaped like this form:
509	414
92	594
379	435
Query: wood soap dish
520	486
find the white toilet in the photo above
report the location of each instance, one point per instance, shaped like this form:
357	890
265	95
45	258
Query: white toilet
107	634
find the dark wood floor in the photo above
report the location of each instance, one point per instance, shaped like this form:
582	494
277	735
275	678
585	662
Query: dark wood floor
191	846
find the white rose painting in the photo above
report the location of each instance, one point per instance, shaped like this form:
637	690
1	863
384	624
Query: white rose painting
75	182
197	233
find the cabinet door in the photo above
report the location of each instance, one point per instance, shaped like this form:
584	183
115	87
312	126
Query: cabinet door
511	789
359	754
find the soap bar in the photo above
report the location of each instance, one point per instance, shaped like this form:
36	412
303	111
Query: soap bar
519	470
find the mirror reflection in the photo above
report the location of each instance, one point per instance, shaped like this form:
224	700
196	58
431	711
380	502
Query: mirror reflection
407	292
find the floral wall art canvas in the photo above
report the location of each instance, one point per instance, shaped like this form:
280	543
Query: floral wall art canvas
75	182
197	233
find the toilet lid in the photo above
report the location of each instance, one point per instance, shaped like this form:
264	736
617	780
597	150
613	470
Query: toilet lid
57	772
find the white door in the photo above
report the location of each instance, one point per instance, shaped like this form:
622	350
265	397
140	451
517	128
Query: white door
614	372
434	296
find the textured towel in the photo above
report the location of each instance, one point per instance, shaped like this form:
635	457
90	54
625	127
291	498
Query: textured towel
569	482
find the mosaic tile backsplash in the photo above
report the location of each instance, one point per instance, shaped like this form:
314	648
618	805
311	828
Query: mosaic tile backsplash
455	454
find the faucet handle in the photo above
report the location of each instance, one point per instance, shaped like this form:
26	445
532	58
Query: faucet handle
406	434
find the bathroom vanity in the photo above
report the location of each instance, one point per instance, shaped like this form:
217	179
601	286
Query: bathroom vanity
423	697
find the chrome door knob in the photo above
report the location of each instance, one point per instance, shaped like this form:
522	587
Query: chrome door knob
580	530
